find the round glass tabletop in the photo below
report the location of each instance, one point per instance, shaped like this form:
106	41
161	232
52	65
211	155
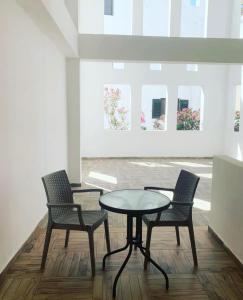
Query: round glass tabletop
134	201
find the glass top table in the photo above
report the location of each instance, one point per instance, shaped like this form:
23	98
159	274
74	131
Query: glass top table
134	203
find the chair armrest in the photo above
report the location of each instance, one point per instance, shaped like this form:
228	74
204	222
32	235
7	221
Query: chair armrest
88	191
158	188
182	203
63	205
75	185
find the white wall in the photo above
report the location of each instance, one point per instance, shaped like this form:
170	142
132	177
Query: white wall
121	20
156	17
91	10
73	9
91	16
95	141
32	124
233	141
226	204
53	18
194	19
218	101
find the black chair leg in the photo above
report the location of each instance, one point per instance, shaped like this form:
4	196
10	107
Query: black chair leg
46	245
107	236
67	237
92	252
178	235
193	244
148	241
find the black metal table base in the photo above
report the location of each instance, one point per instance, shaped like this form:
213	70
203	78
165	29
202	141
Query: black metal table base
137	243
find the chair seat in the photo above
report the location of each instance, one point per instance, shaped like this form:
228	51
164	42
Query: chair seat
91	218
169	215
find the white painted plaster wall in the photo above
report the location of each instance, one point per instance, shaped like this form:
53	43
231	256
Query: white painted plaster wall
73	9
96	141
233	141
121	20
91	16
32	124
156	17
219	14
53	18
226	204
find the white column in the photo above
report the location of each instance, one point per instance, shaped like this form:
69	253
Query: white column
73	110
137	23
175	18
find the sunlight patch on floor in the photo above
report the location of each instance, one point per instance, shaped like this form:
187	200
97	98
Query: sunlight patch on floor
202	204
190	164
150	164
103	177
97	186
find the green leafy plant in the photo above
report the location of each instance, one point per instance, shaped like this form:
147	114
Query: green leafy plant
237	121
188	119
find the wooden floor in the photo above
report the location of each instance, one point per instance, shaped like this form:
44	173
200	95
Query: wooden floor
67	273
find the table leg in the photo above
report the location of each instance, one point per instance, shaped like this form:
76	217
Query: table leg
114	252
130	244
117	250
137	242
156	265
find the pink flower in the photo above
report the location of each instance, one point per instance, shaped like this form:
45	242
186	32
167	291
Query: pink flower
142	117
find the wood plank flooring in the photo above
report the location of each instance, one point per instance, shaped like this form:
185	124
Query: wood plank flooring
68	276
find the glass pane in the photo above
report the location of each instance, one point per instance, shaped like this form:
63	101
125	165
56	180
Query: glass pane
121	20
237	109
155	67
156	17
190	99
153	116
118	66
194	18
192	68
117	107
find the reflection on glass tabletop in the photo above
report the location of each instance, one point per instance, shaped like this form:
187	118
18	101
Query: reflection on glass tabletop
134	200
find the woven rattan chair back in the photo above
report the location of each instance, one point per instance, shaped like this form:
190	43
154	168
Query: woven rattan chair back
58	190
185	189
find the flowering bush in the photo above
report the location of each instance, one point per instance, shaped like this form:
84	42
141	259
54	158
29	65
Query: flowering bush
116	114
188	119
237	121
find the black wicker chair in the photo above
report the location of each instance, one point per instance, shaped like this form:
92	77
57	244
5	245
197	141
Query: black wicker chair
180	212
64	214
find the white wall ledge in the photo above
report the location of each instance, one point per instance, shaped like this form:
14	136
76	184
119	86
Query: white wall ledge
166	49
